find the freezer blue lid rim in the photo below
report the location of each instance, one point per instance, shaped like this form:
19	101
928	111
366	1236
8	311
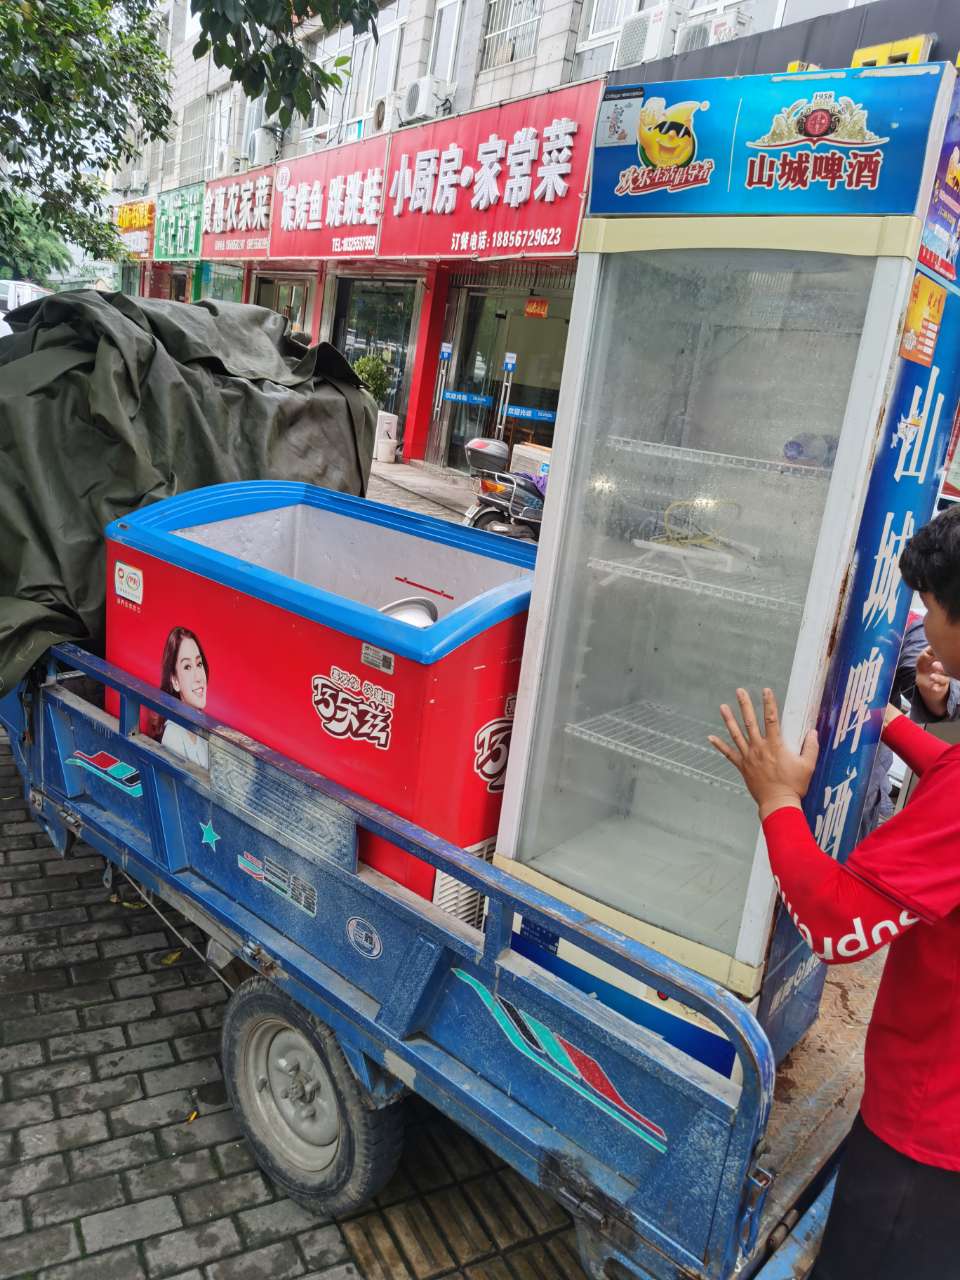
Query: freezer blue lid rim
153	530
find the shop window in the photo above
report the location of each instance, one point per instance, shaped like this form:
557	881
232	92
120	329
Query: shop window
445	25
512	27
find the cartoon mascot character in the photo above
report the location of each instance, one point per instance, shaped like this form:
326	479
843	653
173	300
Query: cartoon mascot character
665	136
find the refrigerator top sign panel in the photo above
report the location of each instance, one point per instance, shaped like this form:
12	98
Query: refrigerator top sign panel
835	142
328	204
504	182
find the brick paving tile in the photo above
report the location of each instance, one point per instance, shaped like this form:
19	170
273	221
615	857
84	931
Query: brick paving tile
131	1222
116	1264
175	1174
278	1261
66	1203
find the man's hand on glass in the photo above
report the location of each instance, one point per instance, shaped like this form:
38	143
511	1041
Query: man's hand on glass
775	775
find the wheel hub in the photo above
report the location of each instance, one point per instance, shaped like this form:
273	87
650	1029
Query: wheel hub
294	1094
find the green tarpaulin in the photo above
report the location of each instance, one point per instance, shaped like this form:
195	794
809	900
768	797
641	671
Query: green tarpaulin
109	402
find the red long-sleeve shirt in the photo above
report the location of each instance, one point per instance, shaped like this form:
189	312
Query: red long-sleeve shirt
900	886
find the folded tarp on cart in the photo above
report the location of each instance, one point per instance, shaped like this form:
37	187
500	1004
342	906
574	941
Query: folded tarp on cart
108	403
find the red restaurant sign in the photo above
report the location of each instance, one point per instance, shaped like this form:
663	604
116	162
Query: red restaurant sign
328	204
503	182
236	216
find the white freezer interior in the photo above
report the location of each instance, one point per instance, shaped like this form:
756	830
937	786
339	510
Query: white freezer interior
715	388
354	559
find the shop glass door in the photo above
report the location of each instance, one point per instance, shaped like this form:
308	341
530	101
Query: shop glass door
373	318
475	400
288	297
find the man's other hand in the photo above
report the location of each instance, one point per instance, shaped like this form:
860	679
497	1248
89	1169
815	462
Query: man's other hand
933	684
775	776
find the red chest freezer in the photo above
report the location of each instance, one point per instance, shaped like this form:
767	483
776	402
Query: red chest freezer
380	647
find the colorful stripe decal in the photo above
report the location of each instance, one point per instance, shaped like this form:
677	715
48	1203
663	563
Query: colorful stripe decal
108	768
566	1063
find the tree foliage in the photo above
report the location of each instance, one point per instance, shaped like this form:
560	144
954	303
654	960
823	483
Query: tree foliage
257	40
84	88
375	374
82	84
32	252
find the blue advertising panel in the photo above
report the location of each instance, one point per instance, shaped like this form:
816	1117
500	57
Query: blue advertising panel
901	497
831	142
941	232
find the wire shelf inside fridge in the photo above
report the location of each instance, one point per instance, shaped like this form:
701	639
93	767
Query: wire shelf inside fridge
744	587
704	457
660	736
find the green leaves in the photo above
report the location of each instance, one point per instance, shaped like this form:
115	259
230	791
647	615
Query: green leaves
257	40
84	87
80	78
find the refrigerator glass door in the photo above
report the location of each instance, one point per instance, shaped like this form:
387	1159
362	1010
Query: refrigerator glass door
714	391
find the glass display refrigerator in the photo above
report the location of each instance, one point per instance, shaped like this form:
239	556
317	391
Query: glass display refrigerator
757	398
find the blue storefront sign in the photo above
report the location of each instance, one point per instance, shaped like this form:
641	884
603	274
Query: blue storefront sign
468	397
530	415
831	142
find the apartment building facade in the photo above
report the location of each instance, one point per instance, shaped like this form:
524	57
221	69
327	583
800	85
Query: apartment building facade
454	316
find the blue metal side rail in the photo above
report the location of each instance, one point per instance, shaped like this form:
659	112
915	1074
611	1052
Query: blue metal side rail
652	1152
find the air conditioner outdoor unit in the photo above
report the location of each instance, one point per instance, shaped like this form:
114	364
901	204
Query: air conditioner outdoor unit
226	160
731	25
425	99
137	179
649	34
702	32
263	147
385	115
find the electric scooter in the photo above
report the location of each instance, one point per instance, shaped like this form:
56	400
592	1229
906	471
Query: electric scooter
508	502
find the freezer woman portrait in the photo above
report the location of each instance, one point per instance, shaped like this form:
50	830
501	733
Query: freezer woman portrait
184	674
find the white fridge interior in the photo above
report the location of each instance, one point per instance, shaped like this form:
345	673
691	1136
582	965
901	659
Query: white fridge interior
715	386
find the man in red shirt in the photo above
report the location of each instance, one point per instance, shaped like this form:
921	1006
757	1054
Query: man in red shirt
896	1211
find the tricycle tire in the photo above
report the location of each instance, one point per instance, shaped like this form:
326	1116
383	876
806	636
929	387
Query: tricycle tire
313	1128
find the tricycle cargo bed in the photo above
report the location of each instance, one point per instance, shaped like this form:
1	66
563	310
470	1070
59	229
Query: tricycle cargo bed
662	1161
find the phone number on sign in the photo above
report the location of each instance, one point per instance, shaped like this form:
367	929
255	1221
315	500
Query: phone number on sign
527	238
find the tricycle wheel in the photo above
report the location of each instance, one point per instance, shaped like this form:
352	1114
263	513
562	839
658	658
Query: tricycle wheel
314	1129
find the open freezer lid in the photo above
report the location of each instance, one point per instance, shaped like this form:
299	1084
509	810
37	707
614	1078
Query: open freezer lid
341	561
852	141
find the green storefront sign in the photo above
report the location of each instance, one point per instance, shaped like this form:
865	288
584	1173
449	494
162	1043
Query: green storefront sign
179	224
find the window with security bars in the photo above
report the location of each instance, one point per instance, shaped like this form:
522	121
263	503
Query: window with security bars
219	133
512	27
191	140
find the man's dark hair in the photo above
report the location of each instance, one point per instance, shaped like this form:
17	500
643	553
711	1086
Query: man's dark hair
930	562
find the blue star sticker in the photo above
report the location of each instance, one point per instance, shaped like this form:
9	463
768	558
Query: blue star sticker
209	836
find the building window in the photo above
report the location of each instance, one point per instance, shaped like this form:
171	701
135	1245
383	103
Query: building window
219	151
594	60
191	141
372	74
446	22
606	17
358	81
512	27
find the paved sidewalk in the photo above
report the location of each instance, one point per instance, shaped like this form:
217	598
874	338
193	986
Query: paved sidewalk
424	489
109	1043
